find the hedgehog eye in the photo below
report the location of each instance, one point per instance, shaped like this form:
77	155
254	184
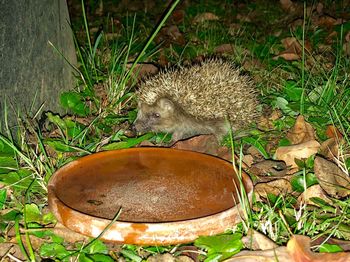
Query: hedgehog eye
156	115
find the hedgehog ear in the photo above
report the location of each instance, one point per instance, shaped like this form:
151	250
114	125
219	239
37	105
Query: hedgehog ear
166	104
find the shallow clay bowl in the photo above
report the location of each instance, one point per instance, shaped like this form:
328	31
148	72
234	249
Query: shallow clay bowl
163	196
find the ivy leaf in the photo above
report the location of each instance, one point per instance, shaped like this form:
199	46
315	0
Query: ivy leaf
221	246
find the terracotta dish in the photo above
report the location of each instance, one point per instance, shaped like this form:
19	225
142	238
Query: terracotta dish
163	196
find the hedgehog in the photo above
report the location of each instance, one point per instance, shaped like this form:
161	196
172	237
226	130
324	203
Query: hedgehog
206	98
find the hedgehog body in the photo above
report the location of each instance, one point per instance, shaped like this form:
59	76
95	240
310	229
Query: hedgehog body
200	99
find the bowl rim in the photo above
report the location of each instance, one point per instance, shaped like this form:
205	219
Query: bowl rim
121	231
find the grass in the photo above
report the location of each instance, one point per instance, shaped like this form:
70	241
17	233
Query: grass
104	102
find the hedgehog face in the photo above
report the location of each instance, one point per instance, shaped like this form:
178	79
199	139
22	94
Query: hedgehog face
158	117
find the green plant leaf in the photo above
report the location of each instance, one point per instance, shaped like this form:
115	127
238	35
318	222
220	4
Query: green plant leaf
130	142
59	145
75	102
297	181
329	248
97	246
54	250
7	163
3	196
33	213
131	255
95	257
292	91
226	245
257	144
283	104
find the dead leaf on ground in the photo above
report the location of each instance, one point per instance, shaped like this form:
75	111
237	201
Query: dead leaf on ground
330	148
333	132
287	5
200	18
326	21
171	35
177	16
297	250
12	251
248	159
301	132
312	191
300	151
331	178
344	244
223	49
269	169
204	144
293	49
168	258
275	187
254	240
190	251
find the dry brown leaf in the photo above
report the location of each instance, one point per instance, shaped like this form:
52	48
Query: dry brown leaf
168	258
224	48
301	132
254	240
287	55
13	249
286	5
248	159
299	249
331	178
269	168
333	132
169	35
178	16
293	49
204	144
346	48
301	151
200	18
312	191
330	148
276	187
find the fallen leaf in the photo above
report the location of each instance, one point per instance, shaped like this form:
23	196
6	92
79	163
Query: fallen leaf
13	249
333	132
204	144
293	49
330	148
269	168
224	48
168	258
254	240
300	151
286	5
271	255
301	132
248	159
178	16
312	191
275	187
200	18
143	70
331	178
171	35
299	249
287	55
